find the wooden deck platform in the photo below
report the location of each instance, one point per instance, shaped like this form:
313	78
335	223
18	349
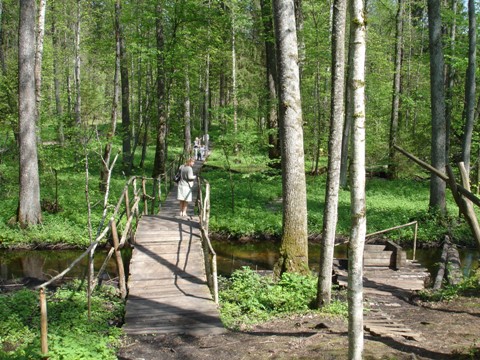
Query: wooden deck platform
167	287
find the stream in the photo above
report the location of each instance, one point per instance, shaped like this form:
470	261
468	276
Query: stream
41	265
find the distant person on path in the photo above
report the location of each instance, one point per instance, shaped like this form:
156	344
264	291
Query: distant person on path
185	185
196	147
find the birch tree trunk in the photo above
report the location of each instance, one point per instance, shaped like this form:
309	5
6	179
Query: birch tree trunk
29	211
78	101
234	82
38	58
437	95
56	81
334	153
160	149
470	87
114	115
187	123
392	165
357	183
294	246
126	126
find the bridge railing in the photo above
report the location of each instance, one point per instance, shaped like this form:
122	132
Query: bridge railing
203	205
140	196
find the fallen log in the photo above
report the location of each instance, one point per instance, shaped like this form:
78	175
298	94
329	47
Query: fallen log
437	285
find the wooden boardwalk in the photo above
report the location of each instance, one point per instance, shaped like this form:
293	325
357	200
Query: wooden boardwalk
167	287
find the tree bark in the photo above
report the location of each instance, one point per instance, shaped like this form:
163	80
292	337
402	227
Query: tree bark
187	148
104	173
234	83
2	55
450	78
160	149
470	87
271	73
334	153
294	246
392	163
38	58
437	96
126	126
56	80
29	211
357	184
78	101
348	117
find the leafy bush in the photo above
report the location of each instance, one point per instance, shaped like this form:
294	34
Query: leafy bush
248	298
71	335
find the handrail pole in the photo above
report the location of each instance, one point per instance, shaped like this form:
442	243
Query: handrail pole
144	194
43	324
127	202
415	241
118	258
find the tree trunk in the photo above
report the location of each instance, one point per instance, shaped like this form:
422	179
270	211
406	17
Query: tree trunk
188	134
294	246
271	72
450	78
206	104
470	87
78	101
160	149
29	211
437	95
334	153
392	163
116	95
126	126
348	117
234	84
38	59
56	81
2	55
357	183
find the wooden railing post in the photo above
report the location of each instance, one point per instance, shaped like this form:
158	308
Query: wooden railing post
144	194
127	202
119	260
43	324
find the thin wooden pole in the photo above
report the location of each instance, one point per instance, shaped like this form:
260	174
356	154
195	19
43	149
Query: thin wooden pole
118	258
145	201
415	241
127	203
43	324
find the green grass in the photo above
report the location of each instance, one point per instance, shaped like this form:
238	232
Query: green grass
249	203
248	298
71	335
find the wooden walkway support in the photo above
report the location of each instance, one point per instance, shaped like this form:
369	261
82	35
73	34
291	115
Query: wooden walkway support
168	291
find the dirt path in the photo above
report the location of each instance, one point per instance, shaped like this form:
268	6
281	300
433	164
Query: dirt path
448	330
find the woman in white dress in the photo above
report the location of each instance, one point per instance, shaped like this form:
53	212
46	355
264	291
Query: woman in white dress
185	186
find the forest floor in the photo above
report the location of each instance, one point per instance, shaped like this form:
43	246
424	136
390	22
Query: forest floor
447	330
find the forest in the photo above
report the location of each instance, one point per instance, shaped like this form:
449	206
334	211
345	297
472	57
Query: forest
318	114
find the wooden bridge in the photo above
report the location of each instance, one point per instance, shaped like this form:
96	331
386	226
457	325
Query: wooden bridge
167	285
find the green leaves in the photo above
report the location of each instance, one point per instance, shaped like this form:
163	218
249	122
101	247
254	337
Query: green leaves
70	334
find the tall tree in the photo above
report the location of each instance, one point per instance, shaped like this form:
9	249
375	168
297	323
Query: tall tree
29	210
126	126
357	183
271	73
294	246
392	167
334	152
437	98
469	110
2	56
78	99
56	77
42	5
161	146
187	147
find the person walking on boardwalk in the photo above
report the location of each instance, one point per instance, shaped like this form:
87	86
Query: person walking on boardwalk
185	185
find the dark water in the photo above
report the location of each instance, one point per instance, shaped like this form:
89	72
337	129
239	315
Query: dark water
262	256
43	265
